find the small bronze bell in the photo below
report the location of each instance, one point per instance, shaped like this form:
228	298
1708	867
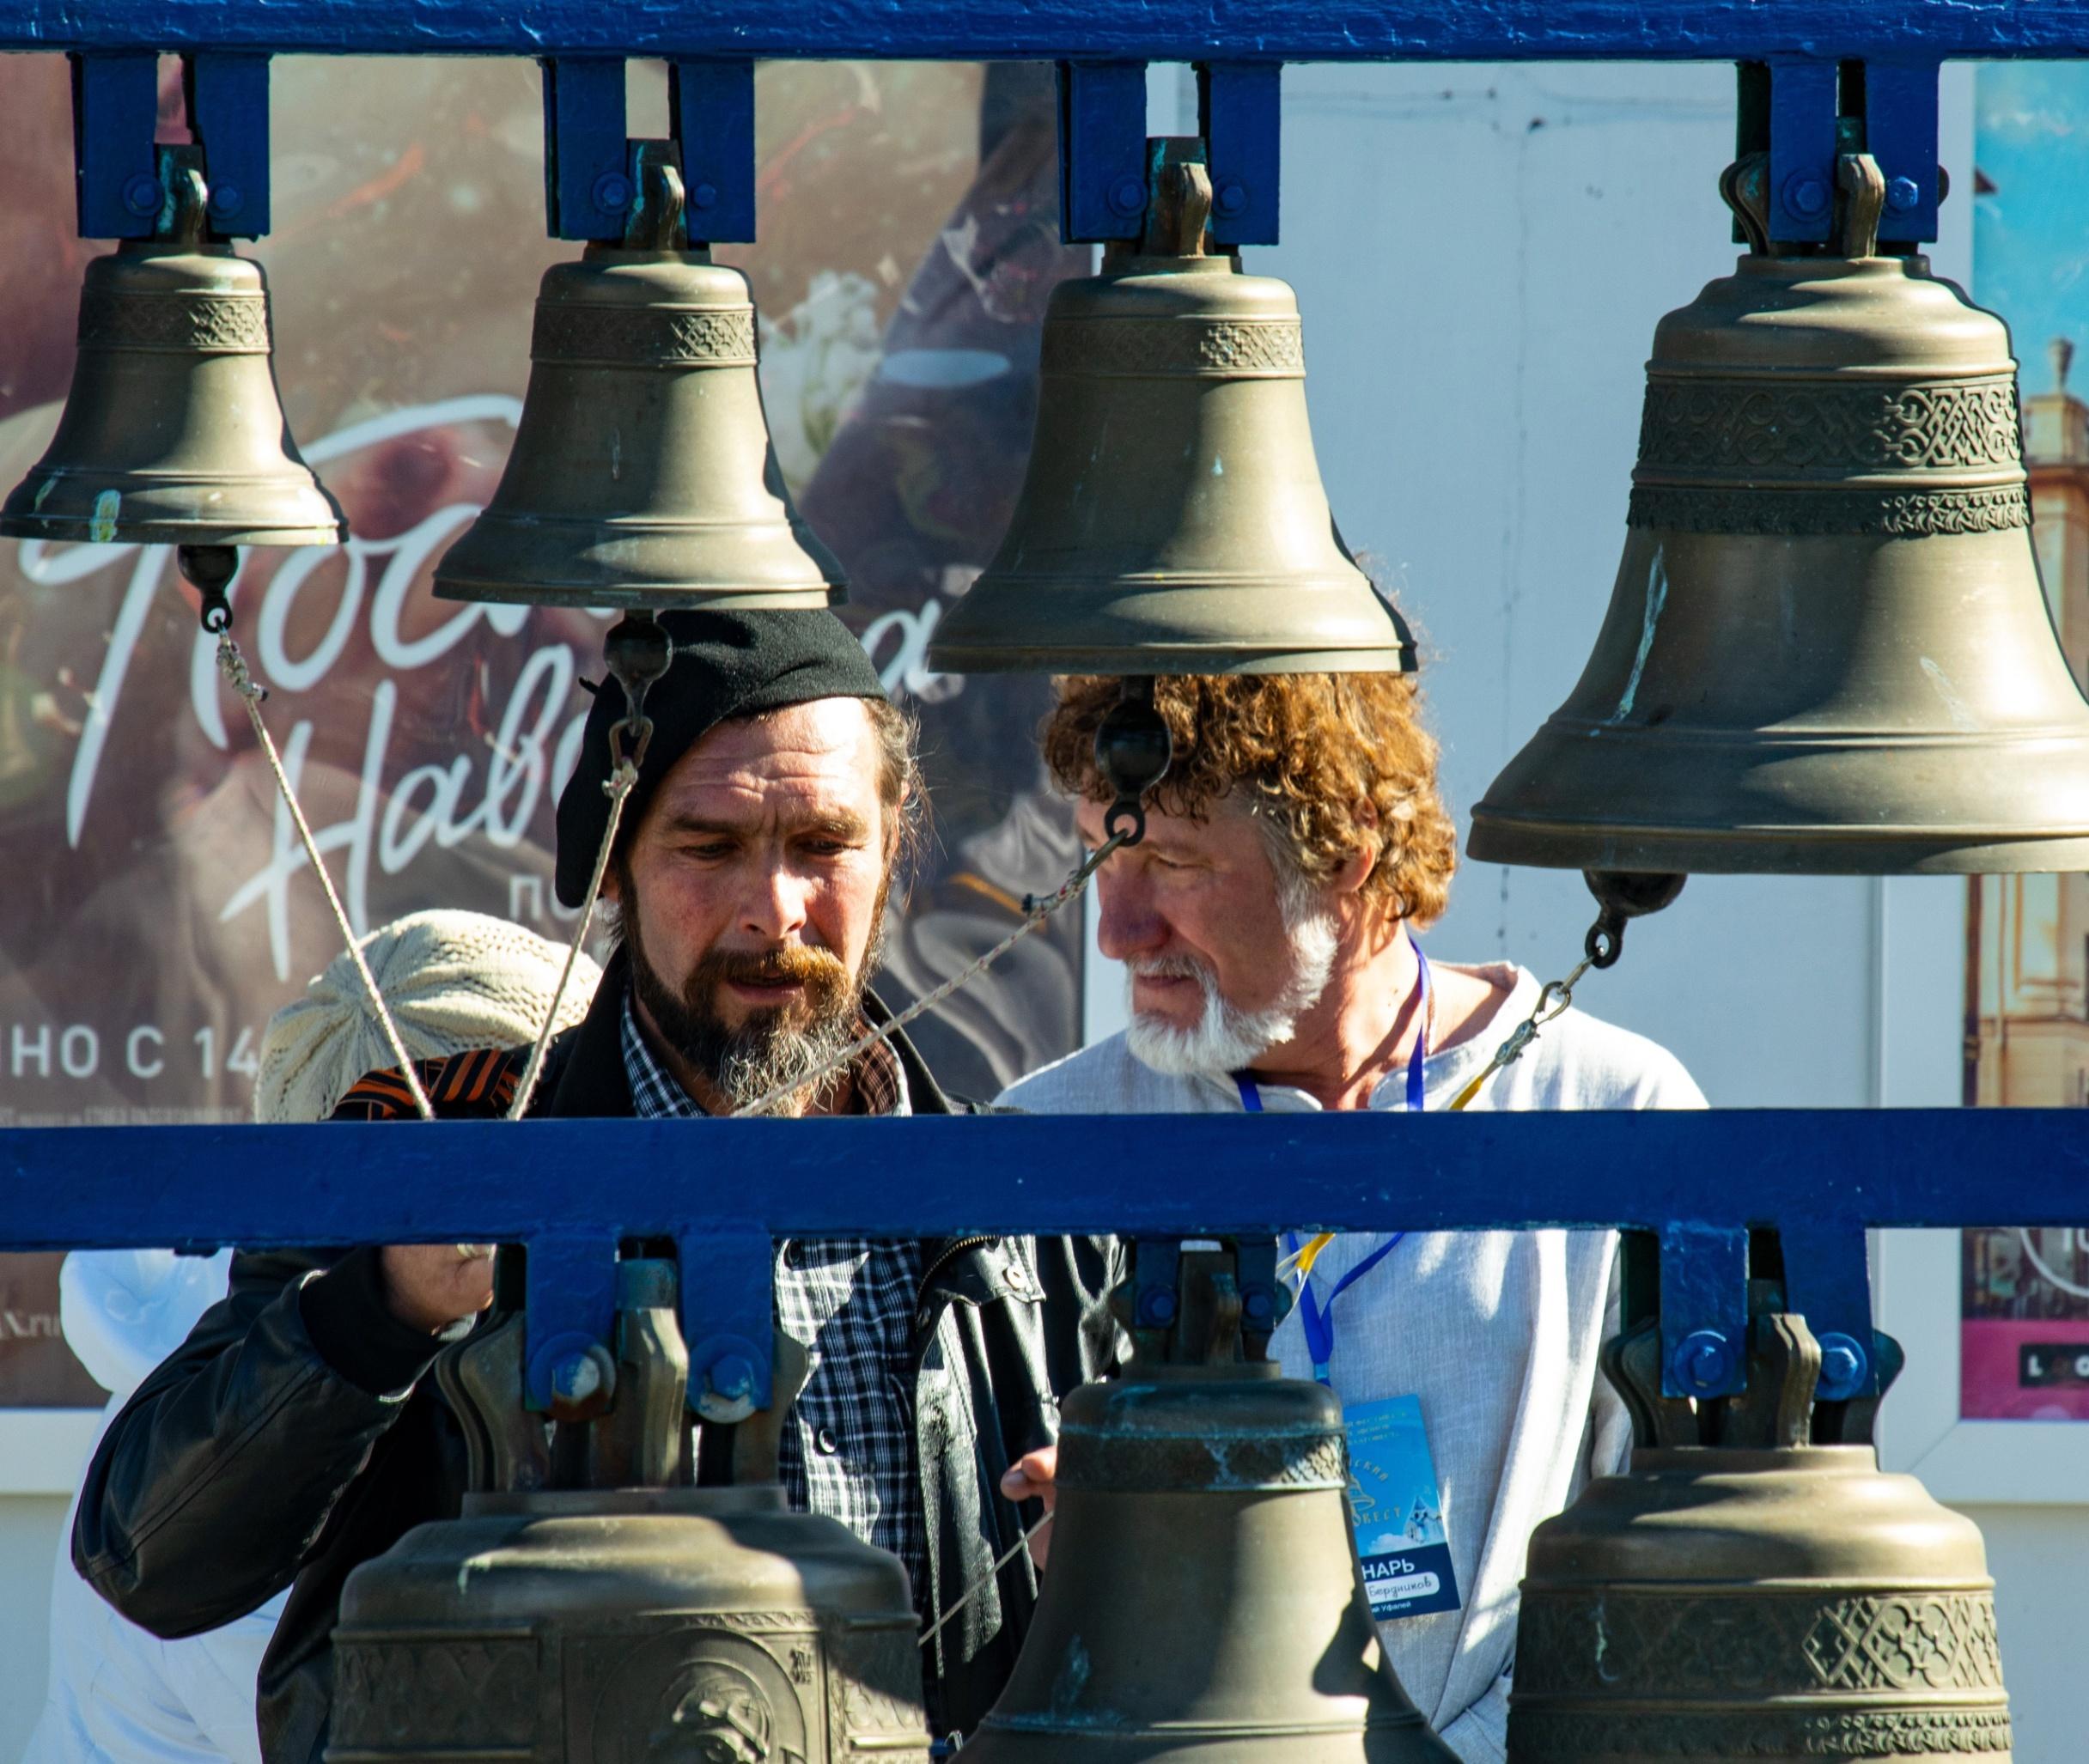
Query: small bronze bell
1204	1600
1764	1598
173	431
1173	519
620	1625
642	474
1827	649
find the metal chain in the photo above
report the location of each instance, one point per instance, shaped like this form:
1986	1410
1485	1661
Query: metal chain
1039	910
233	665
985	1578
1553	998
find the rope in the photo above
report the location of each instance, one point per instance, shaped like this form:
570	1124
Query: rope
980	1585
1039	910
618	787
233	665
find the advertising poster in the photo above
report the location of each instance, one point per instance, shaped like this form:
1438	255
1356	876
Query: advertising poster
158	906
2025	1296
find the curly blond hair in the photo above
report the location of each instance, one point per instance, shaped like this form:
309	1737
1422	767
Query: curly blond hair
1308	750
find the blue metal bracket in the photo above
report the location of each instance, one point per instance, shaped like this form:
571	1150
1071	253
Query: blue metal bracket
1802	149
571	1317
227	100
590	165
1900	132
728	1318
1704	1310
115	112
1239	113
1102	150
587	187
115	108
1827	1279
711	106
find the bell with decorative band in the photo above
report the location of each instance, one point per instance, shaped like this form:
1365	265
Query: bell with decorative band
1204	1601
1769	1595
1827	649
642	474
589	1607
173	431
1172	520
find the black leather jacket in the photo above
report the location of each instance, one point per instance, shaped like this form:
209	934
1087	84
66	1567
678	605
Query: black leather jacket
295	1435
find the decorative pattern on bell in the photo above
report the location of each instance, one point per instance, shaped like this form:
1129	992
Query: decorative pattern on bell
173	431
1827	650
1172	520
1767	1597
643	475
1204	1600
646	1623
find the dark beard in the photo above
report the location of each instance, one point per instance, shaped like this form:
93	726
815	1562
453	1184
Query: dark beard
785	1045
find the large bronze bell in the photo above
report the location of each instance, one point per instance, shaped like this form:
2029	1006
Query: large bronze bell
1770	1597
1827	649
642	474
1173	519
1204	1601
173	431
623	1624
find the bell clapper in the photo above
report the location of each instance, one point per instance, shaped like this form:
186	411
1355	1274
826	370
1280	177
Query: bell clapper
1623	895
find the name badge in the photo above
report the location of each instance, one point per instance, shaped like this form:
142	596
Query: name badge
1397	1511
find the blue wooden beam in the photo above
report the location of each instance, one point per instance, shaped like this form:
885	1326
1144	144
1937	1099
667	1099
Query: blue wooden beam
1146	1175
1049	30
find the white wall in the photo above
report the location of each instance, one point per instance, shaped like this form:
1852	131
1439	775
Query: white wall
29	1528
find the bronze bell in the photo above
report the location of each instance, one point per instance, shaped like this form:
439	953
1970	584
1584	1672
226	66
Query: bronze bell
623	1624
1827	650
1173	519
642	474
173	431
1204	1600
1771	1595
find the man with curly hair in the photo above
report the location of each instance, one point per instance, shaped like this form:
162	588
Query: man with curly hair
1268	921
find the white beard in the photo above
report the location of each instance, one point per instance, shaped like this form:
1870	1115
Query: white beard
1227	1038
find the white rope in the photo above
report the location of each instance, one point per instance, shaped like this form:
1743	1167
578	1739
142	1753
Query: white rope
1039	912
979	1585
617	788
233	667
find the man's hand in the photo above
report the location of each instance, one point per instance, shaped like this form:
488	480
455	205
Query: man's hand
431	1286
1035	1476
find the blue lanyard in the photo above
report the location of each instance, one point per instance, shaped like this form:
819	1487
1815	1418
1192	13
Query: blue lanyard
1318	1319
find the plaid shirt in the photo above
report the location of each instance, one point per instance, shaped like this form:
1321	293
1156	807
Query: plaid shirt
850	1451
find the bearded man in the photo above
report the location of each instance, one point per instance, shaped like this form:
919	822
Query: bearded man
296	1433
1267	922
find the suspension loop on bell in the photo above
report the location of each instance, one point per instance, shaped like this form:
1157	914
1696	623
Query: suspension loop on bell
657	217
636	652
1133	751
210	569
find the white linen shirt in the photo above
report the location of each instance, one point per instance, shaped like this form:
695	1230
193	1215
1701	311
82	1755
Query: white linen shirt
1496	1332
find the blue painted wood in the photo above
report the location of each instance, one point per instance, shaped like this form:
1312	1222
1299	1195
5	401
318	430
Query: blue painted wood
1239	106
1102	150
711	112
1802	149
1149	1175
115	106
228	101
1900	131
1044	30
571	1305
587	177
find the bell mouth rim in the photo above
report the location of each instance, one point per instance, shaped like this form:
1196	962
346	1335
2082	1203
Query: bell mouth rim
596	1503
84	530
665	597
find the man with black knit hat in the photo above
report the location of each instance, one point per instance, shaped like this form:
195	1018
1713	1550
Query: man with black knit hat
749	882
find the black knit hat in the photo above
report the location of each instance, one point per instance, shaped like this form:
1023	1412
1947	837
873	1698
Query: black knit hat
726	665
